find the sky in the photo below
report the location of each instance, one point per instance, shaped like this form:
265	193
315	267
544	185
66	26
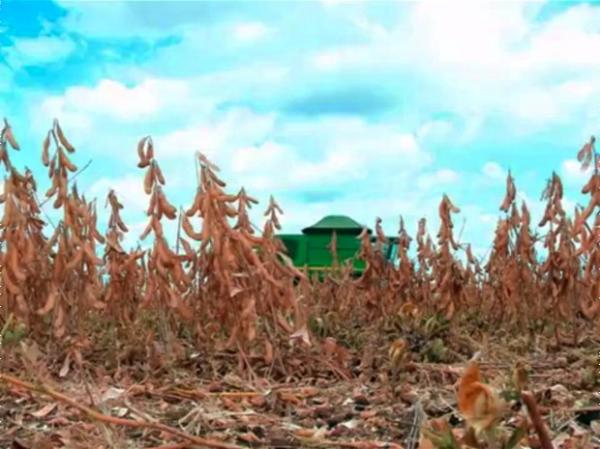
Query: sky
362	108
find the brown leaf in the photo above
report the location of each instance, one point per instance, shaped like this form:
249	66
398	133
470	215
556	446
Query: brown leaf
66	366
45	410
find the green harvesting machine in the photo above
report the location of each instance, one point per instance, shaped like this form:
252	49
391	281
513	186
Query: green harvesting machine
311	248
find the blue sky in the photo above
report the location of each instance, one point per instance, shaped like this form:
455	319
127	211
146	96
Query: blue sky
359	108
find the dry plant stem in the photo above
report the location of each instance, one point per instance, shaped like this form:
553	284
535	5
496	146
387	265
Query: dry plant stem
69	180
178	230
589	409
536	419
354	445
37	200
300	392
174	446
6	325
93	414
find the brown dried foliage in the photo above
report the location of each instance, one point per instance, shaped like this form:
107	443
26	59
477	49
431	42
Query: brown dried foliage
236	287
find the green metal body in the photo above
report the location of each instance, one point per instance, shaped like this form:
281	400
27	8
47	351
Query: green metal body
311	248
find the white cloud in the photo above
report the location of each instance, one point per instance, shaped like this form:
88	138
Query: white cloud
493	170
542	105
475	35
568	40
40	50
115	100
217	135
250	32
442	177
434	34
268	156
436	129
112	108
488	218
272	166
129	190
345	150
132	237
330	3
371	151
74	123
339	58
535	205
573	174
473	56
569	206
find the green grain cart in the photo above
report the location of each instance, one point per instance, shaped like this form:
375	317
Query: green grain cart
310	248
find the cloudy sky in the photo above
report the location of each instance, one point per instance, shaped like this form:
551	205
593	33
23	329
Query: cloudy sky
359	108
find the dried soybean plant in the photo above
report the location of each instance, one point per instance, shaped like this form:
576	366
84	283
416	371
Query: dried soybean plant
528	268
166	279
373	282
586	156
371	276
7	137
279	302
589	237
224	285
245	203
589	251
232	278
448	290
498	297
25	264
473	281
59	165
215	284
560	270
76	284
507	292
273	254
426	253
125	271
403	278
333	300
24	259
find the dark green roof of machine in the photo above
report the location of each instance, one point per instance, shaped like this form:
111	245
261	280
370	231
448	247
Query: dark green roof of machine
334	223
